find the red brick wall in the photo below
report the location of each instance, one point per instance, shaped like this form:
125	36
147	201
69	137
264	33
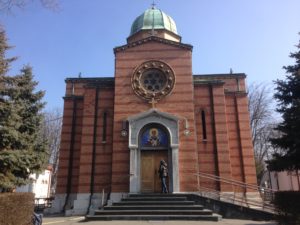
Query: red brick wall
64	155
83	146
246	141
103	150
206	153
234	139
234	151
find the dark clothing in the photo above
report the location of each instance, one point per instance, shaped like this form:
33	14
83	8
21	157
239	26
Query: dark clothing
37	219
163	173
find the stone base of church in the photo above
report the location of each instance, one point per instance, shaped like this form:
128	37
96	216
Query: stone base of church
116	197
80	205
255	198
252	199
239	198
77	204
57	204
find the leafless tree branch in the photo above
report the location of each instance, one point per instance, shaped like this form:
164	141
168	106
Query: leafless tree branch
10	5
261	122
51	132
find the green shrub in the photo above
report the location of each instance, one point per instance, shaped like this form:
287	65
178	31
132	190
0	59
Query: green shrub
287	204
16	208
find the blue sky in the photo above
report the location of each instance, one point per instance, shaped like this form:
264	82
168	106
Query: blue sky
250	36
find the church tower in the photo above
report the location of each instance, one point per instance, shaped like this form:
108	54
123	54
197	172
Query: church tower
154	90
116	130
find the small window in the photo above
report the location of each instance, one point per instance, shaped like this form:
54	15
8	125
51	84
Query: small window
203	119
104	127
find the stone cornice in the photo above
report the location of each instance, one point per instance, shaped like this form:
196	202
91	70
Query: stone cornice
205	79
209	82
94	82
89	79
72	97
218	76
153	39
152	112
236	93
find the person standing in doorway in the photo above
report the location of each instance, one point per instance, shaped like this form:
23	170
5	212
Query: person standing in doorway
163	173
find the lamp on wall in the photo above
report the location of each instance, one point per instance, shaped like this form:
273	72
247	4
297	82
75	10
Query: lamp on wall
124	131
186	131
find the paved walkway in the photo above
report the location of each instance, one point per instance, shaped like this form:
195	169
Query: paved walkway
79	220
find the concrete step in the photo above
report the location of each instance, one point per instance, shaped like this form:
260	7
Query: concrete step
154	203
213	217
155	198
153	207
153	212
156	195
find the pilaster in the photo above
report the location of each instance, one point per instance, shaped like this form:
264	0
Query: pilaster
221	136
87	141
245	140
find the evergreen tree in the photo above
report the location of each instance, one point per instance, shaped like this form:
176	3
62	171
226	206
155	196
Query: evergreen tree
7	114
22	151
288	97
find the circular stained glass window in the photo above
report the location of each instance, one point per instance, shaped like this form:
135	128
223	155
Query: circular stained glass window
153	80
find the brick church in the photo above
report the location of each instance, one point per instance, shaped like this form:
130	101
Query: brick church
116	130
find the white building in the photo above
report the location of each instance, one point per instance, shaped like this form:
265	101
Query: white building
281	181
40	185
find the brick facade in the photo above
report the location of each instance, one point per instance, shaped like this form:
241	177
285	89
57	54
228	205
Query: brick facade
94	156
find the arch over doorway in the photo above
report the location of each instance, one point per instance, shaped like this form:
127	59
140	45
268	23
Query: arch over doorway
137	124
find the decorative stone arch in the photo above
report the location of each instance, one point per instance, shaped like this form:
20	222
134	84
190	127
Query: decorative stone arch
136	124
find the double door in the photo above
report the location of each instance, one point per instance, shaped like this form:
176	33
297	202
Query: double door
150	161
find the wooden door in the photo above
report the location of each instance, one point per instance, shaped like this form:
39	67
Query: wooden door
150	161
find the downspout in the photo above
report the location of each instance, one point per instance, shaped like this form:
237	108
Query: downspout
94	151
71	153
214	134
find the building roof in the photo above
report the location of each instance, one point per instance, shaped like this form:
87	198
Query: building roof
93	81
218	76
153	19
198	79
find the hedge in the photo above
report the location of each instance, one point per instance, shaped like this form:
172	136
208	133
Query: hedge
287	204
16	208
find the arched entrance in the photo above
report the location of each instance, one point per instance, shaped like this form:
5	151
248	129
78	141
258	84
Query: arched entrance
154	145
138	125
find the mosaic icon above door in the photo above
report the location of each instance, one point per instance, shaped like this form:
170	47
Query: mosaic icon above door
154	137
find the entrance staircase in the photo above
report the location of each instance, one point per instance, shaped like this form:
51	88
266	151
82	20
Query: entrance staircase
154	207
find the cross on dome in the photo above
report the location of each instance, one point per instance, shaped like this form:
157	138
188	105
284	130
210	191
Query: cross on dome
153	4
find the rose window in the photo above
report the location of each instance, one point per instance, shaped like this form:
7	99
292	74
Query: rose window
153	80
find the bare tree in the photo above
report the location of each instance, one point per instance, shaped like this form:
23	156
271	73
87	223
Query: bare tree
261	122
9	5
51	132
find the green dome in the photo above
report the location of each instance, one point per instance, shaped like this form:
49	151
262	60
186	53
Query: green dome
153	19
